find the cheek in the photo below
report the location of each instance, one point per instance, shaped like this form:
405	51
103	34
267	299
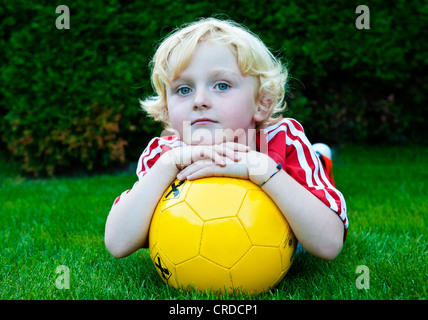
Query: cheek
176	119
241	107
173	110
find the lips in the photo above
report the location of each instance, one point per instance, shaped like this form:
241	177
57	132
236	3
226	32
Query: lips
203	121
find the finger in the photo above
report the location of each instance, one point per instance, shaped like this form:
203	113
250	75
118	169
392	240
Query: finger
208	152
202	172
237	146
195	167
217	158
232	170
226	152
231	150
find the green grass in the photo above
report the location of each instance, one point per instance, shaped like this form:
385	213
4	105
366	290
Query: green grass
46	223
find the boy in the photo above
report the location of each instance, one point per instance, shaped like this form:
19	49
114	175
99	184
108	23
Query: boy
219	89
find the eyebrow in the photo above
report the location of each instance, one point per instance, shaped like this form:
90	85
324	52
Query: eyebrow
214	74
224	72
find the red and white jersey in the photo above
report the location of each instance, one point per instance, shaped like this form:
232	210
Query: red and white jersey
286	144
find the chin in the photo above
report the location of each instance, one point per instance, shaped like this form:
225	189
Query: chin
203	137
210	136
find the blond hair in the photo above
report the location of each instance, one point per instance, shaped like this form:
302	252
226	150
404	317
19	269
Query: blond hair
254	59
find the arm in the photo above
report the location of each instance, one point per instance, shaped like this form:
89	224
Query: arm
316	226
129	220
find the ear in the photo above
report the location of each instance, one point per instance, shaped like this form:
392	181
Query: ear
264	104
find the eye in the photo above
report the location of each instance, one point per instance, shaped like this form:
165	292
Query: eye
222	86
183	91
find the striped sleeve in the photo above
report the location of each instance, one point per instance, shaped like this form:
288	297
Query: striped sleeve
156	147
302	163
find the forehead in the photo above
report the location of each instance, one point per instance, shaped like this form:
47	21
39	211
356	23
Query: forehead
211	58
201	52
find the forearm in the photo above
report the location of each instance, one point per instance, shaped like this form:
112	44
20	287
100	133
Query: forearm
129	220
316	226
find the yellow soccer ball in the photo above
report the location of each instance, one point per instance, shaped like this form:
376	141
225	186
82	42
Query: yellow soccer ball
219	234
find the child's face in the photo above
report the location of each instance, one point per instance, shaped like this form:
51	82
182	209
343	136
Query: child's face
210	96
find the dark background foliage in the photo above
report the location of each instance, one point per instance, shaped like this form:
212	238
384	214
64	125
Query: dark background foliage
69	97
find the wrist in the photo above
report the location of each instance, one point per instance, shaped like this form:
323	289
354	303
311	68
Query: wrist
260	167
169	161
278	168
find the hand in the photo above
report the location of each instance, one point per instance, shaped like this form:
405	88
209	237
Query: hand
251	165
216	154
208	168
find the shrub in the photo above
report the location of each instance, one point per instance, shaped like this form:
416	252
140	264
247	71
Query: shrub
89	141
346	84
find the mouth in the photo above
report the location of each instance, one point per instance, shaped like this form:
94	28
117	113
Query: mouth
203	121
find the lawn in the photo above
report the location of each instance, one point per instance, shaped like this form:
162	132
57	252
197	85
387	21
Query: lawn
51	223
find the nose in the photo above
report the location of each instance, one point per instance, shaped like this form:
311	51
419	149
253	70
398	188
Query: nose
202	100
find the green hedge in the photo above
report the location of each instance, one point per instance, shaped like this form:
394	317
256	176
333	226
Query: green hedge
69	98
